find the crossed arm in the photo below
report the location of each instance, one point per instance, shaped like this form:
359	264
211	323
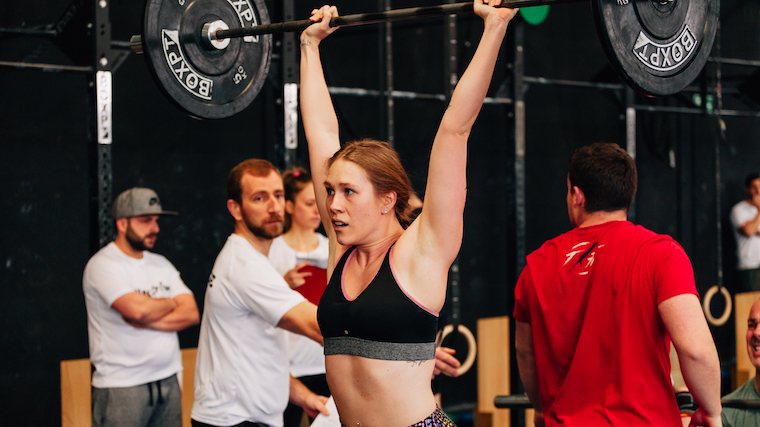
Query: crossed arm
161	314
751	227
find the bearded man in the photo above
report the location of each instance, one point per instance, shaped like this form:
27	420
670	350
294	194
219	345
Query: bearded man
242	374
136	302
747	417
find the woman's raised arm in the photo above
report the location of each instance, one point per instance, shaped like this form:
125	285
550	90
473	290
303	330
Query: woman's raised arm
318	114
441	223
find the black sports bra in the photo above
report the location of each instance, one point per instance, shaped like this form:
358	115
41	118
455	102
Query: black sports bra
381	323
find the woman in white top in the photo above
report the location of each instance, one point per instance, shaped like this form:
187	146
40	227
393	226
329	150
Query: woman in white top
300	255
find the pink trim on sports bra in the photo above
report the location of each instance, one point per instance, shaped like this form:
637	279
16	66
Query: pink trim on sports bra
395	277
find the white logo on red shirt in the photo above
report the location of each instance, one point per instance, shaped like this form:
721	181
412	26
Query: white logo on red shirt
584	254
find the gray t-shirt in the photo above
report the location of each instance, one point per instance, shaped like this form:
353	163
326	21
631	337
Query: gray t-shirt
734	417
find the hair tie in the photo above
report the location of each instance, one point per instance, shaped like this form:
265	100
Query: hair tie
296	174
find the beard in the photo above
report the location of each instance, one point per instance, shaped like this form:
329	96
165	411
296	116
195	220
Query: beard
262	231
138	243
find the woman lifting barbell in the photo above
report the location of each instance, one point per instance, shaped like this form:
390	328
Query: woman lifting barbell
388	275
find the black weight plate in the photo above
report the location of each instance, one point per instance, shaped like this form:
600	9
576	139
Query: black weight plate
207	60
657	47
662	18
201	80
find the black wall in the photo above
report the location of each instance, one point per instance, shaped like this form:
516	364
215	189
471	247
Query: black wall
48	183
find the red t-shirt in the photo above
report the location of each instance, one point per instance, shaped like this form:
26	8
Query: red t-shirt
601	349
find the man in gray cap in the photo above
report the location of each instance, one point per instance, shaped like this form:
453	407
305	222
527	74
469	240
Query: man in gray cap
136	302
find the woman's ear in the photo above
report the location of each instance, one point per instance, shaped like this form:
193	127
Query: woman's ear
290	207
389	201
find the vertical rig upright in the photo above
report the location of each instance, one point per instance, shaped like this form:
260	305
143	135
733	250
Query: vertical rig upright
100	133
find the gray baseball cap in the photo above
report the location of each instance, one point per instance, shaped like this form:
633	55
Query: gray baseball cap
138	201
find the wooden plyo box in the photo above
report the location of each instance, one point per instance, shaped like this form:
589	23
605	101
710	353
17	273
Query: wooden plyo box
493	373
76	393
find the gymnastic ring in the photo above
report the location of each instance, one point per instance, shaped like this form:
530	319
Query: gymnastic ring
472	346
706	305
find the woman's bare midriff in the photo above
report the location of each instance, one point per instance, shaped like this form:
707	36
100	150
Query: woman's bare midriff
380	393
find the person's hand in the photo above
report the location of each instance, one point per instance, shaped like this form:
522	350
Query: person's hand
701	419
321	29
538	419
296	278
315	405
489	11
446	362
134	323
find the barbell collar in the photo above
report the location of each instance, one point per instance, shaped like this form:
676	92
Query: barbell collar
208	35
135	43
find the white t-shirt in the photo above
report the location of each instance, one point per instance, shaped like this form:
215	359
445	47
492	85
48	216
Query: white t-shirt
747	248
240	373
307	357
125	356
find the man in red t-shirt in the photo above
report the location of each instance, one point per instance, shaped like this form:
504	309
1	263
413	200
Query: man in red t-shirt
597	307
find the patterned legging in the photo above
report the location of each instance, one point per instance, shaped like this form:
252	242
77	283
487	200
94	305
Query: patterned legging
437	419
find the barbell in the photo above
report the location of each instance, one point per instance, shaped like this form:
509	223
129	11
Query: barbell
211	57
521	401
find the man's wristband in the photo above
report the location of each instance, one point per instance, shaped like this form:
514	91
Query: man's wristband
686	403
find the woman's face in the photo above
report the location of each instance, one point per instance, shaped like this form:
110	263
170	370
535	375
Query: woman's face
303	209
352	204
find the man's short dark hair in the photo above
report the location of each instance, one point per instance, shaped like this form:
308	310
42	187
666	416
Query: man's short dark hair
606	174
751	177
255	167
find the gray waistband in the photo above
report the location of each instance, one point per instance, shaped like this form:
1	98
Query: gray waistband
380	350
